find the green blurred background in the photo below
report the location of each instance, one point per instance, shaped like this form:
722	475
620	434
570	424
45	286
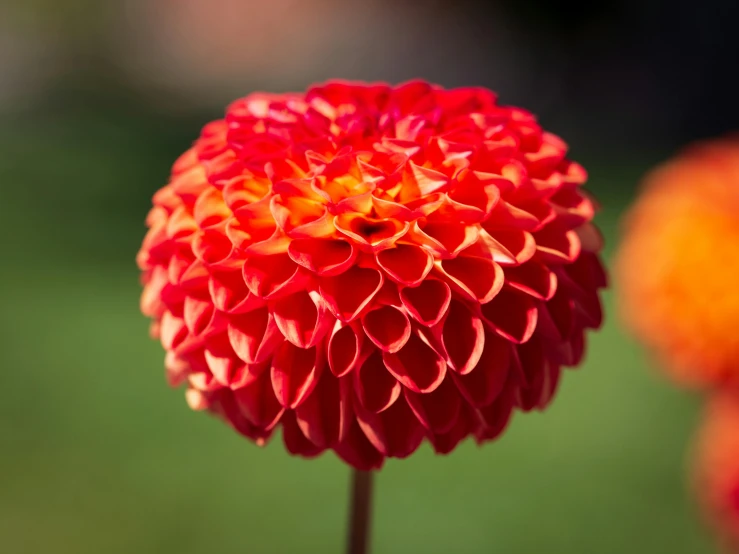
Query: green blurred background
98	455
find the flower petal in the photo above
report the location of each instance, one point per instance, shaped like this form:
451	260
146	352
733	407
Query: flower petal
463	338
356	449
344	349
295	441
438	410
416	365
428	302
303	318
254	336
388	328
325	416
323	256
556	246
351	292
396	432
495	417
258	404
482	386
532	278
376	388
512	315
542	376
295	372
221	359
479	279
407	264
272	276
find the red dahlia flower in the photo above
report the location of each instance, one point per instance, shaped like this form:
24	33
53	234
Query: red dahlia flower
367	266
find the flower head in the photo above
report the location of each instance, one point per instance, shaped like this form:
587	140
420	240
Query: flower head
367	266
678	265
716	467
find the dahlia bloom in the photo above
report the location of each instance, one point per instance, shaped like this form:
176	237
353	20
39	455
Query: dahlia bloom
678	264
716	468
367	267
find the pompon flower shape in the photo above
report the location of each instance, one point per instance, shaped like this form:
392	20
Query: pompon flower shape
678	265
716	468
367	267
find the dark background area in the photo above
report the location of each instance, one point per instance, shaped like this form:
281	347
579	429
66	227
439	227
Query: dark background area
96	101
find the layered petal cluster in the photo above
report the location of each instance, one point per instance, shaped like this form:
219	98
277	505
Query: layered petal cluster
678	264
366	267
716	468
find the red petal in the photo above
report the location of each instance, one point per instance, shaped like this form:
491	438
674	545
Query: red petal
532	278
295	442
483	385
204	381
151	298
357	451
587	271
375	387
428	180
396	432
344	349
561	310
229	293
542	376
326	414
295	372
258	404
495	417
480	279
428	302
512	315
446	239
463	338
323	256
388	327
198	314
479	200
177	369
506	216
444	443
349	293
197	400
195	277
173	331
302	318
417	366
406	263
245	374
227	406
573	208
212	248
519	243
254	336
438	410
557	246
209	209
272	276
221	359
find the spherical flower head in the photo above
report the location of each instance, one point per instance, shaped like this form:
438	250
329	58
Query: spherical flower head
367	267
678	264
716	467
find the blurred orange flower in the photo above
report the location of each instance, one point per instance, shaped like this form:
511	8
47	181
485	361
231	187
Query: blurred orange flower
678	264
716	467
367	267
